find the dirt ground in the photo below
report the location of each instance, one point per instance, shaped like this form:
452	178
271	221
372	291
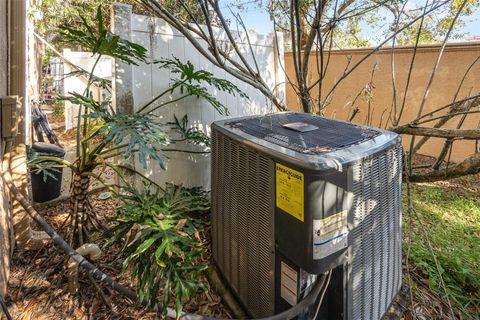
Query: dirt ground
38	286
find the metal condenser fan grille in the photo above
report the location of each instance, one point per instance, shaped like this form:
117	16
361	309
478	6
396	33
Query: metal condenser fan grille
304	133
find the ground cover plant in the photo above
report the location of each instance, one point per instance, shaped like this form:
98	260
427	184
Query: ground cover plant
161	241
446	221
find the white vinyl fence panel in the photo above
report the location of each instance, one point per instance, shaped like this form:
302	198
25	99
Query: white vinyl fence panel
162	41
77	84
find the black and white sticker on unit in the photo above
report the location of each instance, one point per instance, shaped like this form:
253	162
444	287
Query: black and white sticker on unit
330	235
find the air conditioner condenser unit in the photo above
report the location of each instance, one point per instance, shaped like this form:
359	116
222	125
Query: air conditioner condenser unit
296	195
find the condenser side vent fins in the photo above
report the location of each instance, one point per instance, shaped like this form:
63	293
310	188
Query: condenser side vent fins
242	229
377	258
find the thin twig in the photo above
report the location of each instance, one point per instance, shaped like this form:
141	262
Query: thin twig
432	76
394	84
337	83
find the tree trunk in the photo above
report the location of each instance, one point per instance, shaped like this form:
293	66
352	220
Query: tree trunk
306	102
79	207
467	134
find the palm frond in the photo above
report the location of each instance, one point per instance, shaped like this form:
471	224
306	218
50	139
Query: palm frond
161	242
89	103
98	81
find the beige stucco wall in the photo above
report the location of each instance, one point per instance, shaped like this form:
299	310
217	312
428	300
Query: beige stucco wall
456	60
4	198
3	48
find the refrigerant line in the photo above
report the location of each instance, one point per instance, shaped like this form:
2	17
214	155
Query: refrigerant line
323	294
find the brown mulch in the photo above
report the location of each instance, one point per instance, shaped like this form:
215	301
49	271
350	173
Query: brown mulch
38	286
424	303
67	137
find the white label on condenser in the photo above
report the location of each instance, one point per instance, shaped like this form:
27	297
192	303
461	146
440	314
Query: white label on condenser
288	283
330	235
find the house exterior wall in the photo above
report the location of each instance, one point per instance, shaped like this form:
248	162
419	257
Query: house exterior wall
15	224
3	48
5	206
455	61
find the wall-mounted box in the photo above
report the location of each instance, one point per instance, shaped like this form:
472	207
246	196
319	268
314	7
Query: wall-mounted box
10	115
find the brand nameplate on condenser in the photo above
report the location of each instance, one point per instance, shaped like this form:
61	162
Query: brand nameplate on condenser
289	191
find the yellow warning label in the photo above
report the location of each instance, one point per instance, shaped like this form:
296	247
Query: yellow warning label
289	186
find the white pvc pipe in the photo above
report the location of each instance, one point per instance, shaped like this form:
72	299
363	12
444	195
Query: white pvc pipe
90	250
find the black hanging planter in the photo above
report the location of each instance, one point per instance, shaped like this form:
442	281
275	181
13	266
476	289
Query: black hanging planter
49	187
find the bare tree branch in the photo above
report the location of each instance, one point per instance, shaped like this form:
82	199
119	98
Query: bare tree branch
439	57
354	67
470	165
463	108
410	69
394	82
467	134
432	76
215	55
448	143
312	28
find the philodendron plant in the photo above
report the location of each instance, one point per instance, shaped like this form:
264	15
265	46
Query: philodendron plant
104	134
162	243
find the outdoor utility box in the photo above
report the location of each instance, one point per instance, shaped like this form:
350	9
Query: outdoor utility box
296	195
10	116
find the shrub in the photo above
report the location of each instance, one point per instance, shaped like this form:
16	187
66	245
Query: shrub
160	230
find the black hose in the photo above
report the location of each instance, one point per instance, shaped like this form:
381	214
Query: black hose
302	305
102	277
285	315
5	308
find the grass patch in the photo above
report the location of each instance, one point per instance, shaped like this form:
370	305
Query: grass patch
449	215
